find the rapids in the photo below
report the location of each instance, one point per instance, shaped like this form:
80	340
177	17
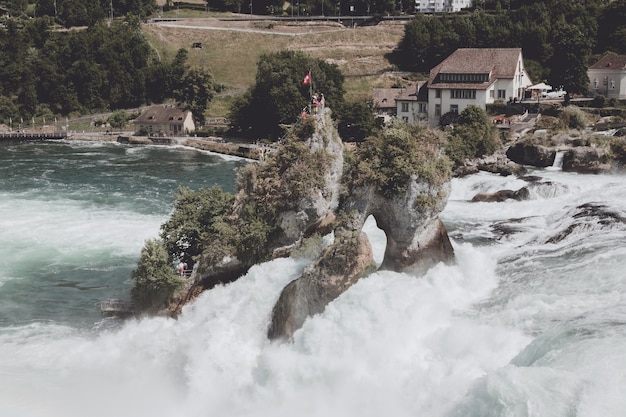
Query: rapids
530	321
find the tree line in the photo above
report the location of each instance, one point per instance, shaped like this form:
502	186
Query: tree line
559	38
46	72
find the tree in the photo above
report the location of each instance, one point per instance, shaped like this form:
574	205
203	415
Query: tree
279	94
612	28
196	92
118	119
155	278
472	137
390	157
196	216
357	121
569	61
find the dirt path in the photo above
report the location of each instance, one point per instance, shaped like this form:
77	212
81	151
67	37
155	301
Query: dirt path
255	26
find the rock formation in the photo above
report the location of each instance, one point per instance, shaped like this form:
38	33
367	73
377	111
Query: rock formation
401	179
341	265
528	153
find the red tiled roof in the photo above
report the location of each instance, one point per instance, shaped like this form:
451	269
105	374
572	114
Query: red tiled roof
499	63
617	62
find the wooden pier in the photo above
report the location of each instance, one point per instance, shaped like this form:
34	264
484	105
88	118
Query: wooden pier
31	137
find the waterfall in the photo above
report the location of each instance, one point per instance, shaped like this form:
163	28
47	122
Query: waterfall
558	160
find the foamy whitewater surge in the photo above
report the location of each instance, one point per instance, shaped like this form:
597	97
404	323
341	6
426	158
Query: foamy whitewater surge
392	344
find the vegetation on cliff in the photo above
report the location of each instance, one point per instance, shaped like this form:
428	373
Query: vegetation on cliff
155	278
388	159
214	225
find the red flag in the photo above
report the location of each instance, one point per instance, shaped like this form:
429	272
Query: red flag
307	78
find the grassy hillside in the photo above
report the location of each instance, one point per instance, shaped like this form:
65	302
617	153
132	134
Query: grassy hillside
231	50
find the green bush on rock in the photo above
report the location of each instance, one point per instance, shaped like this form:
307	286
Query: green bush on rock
155	278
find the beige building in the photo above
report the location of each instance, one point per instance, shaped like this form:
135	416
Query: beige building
164	120
476	76
608	77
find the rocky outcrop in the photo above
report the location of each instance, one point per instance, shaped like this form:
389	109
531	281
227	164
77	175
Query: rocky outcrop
529	153
306	188
586	160
409	216
497	163
502	195
416	238
341	265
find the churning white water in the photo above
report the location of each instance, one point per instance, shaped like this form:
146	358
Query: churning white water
529	321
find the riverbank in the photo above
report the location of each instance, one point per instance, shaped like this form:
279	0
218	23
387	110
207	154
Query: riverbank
212	144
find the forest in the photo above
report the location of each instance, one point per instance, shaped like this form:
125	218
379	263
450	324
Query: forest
48	73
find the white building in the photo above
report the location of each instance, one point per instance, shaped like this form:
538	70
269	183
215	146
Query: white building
608	77
433	6
164	120
476	76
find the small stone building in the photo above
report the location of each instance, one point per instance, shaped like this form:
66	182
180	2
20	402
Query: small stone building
165	120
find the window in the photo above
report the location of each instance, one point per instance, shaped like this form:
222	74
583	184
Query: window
437	110
405	119
464	94
405	107
501	93
437	93
454	108
464	78
422	108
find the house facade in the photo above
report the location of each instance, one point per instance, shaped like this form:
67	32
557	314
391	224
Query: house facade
476	76
412	103
164	120
607	77
384	102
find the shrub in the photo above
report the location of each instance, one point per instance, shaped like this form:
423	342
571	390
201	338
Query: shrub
388	159
473	137
155	278
599	101
196	216
573	117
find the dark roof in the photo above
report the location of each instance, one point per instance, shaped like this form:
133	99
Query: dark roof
499	63
617	62
162	114
415	92
384	97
